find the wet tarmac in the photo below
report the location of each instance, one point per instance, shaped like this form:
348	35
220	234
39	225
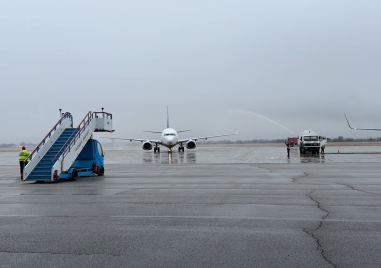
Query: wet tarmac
226	206
242	154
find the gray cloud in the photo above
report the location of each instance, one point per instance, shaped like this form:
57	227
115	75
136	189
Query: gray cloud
299	63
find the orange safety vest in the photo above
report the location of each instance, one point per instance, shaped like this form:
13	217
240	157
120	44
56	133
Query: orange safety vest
288	147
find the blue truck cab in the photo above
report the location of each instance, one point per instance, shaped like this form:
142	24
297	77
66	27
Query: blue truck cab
89	161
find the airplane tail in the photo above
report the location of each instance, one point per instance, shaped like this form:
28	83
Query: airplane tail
348	122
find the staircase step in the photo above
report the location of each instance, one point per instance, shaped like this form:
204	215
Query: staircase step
42	168
44	165
49	166
45	161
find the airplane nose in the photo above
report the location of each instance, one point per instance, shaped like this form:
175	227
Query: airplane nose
170	140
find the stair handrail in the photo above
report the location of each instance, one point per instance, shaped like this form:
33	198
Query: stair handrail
88	116
66	115
86	123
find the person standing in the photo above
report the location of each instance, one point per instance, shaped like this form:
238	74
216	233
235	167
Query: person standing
23	155
288	148
322	149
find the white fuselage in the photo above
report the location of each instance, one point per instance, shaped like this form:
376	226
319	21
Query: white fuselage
169	137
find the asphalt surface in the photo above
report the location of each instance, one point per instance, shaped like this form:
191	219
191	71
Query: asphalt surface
211	207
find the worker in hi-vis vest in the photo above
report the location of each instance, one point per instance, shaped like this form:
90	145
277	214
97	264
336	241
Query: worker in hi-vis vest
288	148
23	155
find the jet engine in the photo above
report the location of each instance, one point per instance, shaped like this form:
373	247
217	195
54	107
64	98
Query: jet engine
191	144
147	146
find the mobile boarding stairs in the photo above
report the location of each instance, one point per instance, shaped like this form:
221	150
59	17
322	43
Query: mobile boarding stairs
53	157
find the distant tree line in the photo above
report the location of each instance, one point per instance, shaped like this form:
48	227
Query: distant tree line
261	141
342	139
10	145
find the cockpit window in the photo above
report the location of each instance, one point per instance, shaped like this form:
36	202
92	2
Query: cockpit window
170	134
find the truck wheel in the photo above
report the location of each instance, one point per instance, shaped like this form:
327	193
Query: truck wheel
101	171
74	175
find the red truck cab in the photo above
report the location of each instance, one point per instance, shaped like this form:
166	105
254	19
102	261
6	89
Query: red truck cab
292	141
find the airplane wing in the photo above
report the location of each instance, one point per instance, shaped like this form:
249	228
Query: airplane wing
152	131
184	130
207	137
377	129
127	139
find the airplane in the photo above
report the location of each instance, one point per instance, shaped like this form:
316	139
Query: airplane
170	138
355	128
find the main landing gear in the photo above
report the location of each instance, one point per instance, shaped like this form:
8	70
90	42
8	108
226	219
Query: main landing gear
181	147
156	149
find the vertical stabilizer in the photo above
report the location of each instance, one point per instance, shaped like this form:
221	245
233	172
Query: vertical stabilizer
167	118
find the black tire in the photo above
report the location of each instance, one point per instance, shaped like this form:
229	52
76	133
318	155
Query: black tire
74	175
101	171
179	149
158	150
154	150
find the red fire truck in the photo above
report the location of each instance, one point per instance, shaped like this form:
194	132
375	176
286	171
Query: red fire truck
292	141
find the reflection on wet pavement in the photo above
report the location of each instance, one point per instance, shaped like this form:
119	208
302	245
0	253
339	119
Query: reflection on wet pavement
312	159
229	154
187	157
242	154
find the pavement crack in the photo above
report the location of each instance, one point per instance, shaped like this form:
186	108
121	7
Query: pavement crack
128	191
299	177
312	232
354	189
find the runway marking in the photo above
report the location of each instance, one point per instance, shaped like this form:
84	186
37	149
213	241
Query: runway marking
239	159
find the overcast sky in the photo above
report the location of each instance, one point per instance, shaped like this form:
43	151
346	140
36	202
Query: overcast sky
303	64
